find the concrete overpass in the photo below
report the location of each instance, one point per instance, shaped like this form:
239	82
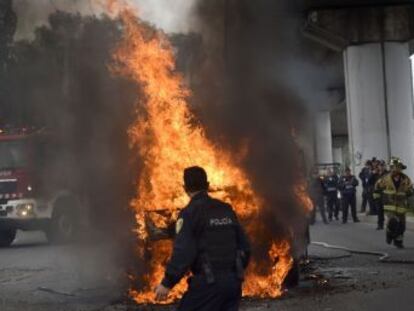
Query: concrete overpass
376	116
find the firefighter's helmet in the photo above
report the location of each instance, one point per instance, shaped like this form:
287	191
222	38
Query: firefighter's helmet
396	162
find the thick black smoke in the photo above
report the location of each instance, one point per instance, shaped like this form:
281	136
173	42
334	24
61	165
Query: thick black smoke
252	87
247	91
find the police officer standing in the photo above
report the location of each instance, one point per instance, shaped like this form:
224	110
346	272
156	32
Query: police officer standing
364	176
347	185
394	189
211	243
316	190
331	190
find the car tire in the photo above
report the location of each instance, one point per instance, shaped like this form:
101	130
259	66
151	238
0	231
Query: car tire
7	237
63	225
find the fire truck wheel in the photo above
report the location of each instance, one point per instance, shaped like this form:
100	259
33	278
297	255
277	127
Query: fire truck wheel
7	237
62	228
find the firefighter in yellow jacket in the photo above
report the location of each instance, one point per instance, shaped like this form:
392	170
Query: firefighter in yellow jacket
394	189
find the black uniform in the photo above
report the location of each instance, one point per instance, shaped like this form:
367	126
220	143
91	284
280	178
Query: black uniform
317	190
367	190
347	186
210	242
331	192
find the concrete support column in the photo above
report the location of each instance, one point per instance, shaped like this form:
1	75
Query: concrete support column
400	102
323	137
379	102
337	155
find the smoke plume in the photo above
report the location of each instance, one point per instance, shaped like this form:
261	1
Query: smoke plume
247	94
249	72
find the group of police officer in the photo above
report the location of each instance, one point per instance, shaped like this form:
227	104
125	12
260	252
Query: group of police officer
327	188
384	191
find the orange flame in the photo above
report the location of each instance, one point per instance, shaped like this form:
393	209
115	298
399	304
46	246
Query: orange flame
168	141
301	192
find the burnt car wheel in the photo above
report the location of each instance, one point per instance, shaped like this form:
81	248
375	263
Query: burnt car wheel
7	237
63	226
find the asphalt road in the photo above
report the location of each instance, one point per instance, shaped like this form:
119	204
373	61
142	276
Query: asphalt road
36	276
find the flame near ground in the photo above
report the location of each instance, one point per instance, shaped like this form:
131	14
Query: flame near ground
169	140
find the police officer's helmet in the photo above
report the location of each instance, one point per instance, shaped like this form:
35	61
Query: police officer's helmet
397	163
195	179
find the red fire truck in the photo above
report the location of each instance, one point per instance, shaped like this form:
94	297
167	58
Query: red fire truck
35	193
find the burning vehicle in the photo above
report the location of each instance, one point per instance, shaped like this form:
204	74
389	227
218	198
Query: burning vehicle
34	191
168	139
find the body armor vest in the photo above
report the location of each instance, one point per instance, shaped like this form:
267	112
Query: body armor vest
217	239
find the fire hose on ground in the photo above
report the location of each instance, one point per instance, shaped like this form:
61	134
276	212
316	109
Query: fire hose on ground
383	257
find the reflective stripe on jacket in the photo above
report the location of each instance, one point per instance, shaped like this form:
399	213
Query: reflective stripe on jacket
394	200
